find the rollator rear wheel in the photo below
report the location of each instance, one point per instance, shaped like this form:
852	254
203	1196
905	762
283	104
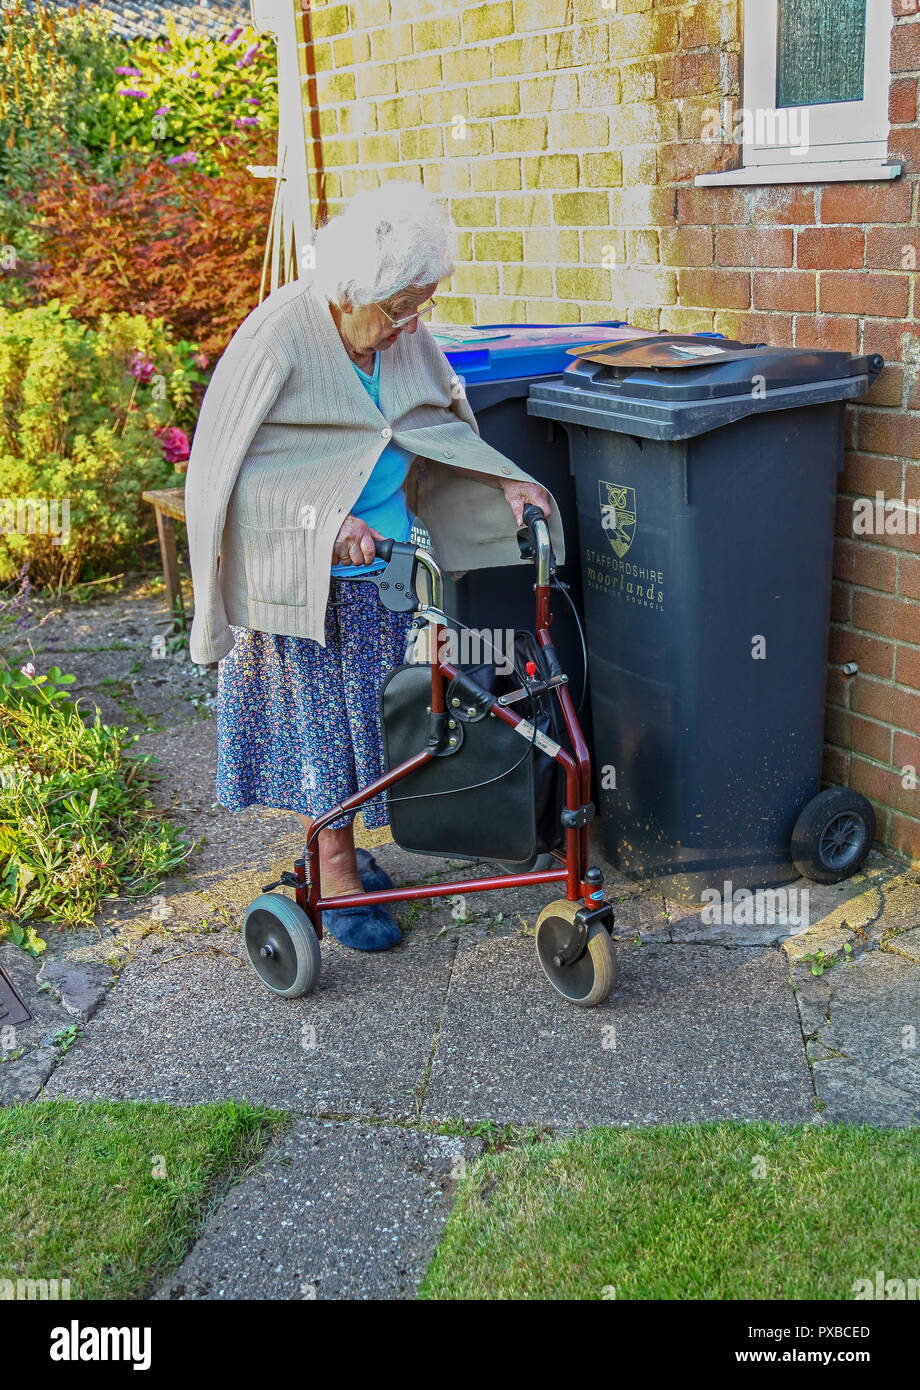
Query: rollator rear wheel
281	945
588	980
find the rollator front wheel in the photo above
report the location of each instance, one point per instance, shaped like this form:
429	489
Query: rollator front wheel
281	945
588	980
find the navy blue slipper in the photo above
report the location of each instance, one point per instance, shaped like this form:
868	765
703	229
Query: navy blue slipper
373	878
364	928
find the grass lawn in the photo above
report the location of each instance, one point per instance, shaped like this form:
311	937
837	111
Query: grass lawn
720	1211
80	1195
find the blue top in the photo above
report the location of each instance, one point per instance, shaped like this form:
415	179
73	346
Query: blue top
382	503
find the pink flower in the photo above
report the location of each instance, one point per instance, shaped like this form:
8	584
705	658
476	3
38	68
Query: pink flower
174	443
28	670
186	157
248	56
132	92
161	110
201	360
142	367
233	35
129	72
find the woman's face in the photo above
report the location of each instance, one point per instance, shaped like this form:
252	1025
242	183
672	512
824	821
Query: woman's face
369	329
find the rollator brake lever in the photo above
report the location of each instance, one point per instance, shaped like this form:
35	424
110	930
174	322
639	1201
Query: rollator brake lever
395	584
536	688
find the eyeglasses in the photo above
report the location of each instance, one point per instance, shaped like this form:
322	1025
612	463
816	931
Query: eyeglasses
419	313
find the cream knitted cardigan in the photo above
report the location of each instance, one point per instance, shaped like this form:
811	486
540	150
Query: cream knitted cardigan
286	439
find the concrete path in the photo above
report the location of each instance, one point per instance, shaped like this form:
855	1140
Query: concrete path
455	1027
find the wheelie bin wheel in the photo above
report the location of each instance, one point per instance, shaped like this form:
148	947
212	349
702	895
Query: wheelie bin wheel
281	945
588	980
833	835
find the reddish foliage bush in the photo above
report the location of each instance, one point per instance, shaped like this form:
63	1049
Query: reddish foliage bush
161	240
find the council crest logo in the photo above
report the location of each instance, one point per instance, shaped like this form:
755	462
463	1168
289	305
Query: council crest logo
618	515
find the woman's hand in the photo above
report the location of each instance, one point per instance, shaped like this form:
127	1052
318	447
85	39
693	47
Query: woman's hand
354	545
520	495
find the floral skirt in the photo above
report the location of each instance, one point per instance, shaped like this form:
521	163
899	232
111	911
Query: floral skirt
298	725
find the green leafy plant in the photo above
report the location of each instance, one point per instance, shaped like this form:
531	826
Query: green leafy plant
76	823
821	961
84	418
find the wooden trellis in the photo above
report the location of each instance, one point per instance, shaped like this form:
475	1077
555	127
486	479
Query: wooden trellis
300	152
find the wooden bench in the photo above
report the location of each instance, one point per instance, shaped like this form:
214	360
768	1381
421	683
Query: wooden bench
169	503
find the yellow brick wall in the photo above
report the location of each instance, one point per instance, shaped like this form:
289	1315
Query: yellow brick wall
551	127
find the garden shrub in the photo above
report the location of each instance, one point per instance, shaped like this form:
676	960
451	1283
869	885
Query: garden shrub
53	64
181	97
137	155
162	240
79	411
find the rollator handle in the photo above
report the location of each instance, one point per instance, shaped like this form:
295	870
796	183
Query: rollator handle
384	549
535	544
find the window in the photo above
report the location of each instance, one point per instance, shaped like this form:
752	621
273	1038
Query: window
816	77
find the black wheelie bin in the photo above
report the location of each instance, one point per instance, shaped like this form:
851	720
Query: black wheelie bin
706	475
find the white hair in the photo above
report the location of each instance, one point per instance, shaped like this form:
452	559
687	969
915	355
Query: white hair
387	240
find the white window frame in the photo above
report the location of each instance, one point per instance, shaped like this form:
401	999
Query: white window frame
847	140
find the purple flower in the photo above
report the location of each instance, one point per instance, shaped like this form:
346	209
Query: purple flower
174	443
28	669
162	110
129	72
186	157
142	367
132	92
194	75
248	56
253	101
233	35
246	120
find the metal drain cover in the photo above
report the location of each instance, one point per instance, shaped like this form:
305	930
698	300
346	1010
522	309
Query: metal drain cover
12	1009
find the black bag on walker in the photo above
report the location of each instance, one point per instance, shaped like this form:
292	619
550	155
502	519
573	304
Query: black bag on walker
439	809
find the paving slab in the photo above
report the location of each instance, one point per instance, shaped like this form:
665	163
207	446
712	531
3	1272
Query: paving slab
861	1022
333	1210
30	1051
190	1022
691	1033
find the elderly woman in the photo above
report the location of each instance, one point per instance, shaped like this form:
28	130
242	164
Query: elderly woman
333	418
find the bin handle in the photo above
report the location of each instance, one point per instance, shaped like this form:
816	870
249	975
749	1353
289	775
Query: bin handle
868	366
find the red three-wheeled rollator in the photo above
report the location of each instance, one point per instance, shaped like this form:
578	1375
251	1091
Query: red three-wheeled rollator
468	776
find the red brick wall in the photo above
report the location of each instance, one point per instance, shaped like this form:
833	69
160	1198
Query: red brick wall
832	265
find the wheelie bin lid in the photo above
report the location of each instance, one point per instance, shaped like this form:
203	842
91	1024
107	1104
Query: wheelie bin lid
506	351
673	386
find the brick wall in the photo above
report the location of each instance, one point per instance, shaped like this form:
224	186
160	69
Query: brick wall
565	136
